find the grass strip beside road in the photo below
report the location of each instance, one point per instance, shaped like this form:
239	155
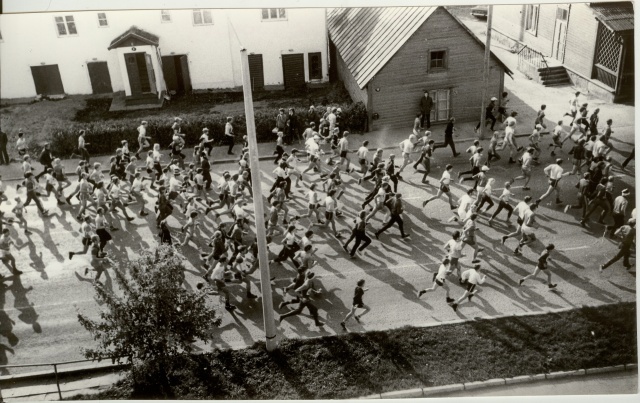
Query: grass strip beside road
361	364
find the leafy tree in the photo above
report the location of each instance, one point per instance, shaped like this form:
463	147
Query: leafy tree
154	321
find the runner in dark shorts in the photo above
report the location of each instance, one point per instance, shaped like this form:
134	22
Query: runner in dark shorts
357	304
542	266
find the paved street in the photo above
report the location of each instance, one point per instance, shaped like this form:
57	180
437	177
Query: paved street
38	316
39	323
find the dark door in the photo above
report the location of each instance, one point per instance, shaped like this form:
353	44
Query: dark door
293	70
184	73
138	73
47	79
256	72
99	76
169	71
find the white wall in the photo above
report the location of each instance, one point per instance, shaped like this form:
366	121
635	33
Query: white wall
213	50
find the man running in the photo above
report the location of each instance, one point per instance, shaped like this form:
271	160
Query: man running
627	233
440	280
554	172
444	188
542	266
357	304
471	278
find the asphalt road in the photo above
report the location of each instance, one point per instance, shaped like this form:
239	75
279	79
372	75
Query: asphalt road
38	320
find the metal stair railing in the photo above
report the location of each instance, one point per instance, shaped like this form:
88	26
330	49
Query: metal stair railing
534	58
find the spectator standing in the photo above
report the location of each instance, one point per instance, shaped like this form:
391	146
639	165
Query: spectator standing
4	156
292	126
21	144
426	104
228	135
312	116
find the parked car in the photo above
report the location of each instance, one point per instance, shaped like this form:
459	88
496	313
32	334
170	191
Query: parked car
479	12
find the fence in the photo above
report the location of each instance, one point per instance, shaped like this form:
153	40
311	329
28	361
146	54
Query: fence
55	366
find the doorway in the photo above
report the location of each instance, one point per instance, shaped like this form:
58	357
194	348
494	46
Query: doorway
293	71
560	34
99	77
140	72
441	105
176	73
256	72
47	80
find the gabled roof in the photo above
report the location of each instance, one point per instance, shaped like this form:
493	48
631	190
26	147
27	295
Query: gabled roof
134	33
617	16
367	38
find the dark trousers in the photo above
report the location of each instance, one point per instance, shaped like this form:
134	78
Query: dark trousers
33	196
593	205
618	221
625	163
488	116
502	205
360	237
582	203
230	142
485	199
44	171
448	141
305	302
287	253
425	115
624	252
4	156
84	154
207	179
370	196
395	218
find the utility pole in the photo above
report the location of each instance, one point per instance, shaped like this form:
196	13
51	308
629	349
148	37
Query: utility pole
485	78
263	257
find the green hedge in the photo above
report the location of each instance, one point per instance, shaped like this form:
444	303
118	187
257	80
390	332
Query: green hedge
105	136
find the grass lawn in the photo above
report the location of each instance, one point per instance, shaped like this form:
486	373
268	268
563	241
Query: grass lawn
360	364
37	118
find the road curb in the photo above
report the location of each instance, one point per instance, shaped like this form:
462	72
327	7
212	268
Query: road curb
270	157
456	387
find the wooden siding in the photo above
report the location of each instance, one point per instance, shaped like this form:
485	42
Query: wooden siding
350	83
510	20
405	77
582	33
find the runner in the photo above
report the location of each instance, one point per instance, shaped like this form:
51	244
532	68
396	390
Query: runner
444	188
627	233
331	206
5	253
554	172
18	211
520	210
304	291
503	203
454	252
527	159
573	106
396	208
471	278
527	228
464	204
87	232
440	280
542	266
358	293
469	236
359	234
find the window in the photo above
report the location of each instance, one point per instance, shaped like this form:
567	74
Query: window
441	105
66	25
562	14
102	20
166	16
531	18
274	14
437	60
315	66
202	17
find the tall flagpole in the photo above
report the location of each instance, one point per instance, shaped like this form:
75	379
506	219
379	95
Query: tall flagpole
485	76
263	257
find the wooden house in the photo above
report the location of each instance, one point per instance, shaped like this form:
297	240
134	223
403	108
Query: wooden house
388	56
589	45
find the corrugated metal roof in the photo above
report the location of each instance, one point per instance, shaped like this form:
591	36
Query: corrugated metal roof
367	38
618	16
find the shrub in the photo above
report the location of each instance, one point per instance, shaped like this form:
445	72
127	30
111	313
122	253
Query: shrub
105	136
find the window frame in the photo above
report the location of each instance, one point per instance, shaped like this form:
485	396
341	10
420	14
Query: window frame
445	60
67	32
105	20
167	13
435	111
531	17
320	73
277	18
202	14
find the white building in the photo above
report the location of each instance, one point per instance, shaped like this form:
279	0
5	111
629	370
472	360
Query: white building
145	52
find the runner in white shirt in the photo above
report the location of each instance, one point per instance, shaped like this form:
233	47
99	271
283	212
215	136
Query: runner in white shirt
573	106
363	158
527	160
503	203
116	201
527	228
471	278
554	172
343	149
509	136
454	250
143	140
137	187
408	146
444	188
464	203
520	210
440	280
331	205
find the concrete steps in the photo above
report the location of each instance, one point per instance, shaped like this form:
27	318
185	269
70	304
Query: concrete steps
554	76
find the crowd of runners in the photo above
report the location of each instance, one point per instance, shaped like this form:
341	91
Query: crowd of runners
326	160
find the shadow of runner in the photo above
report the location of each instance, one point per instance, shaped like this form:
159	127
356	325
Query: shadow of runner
27	313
